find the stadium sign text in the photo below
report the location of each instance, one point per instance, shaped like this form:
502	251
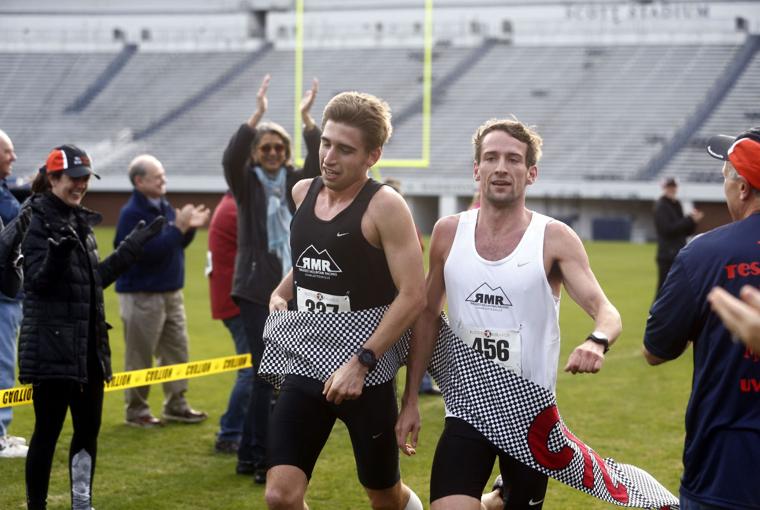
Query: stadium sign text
620	13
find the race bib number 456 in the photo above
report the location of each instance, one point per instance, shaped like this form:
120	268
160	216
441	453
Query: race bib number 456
500	346
311	301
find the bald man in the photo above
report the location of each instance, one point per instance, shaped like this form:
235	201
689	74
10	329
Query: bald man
150	293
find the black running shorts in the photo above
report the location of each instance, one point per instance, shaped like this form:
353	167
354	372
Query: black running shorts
463	462
302	420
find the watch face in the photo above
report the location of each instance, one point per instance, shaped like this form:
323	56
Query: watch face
367	358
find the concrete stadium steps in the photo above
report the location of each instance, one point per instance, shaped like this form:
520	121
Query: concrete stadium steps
603	111
738	111
599	109
36	88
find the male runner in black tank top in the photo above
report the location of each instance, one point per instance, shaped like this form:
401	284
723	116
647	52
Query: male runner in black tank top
354	247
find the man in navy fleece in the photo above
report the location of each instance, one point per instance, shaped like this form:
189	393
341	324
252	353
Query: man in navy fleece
150	293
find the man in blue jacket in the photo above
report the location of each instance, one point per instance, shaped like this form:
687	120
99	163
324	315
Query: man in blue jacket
150	293
722	442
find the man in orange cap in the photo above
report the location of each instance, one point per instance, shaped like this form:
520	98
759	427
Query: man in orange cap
723	416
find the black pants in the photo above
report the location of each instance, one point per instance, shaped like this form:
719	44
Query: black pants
663	267
52	399
253	442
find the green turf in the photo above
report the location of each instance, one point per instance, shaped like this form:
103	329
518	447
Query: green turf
629	411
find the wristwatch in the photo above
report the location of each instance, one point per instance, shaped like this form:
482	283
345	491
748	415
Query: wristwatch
600	338
367	358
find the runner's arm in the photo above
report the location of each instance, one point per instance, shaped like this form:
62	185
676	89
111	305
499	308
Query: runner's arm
564	247
278	300
424	335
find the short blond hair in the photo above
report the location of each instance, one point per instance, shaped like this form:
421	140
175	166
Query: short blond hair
370	114
515	129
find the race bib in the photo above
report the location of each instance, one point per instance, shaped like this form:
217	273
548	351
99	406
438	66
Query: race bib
500	346
319	302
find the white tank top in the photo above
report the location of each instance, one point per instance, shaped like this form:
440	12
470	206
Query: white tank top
505	309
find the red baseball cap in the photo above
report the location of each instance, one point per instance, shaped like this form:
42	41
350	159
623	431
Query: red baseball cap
70	160
742	151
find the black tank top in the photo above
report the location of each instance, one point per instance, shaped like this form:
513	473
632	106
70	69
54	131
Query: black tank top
335	269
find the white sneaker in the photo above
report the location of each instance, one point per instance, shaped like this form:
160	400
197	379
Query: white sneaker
16	440
9	451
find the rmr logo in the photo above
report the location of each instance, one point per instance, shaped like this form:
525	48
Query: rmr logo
313	261
487	296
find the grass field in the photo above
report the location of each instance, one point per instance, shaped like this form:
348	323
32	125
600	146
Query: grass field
629	411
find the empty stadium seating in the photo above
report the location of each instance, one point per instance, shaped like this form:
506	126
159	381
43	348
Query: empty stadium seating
604	111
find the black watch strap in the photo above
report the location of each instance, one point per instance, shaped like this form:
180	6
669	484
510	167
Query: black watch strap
601	340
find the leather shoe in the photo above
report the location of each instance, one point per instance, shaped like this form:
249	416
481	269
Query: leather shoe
224	446
147	421
245	467
185	416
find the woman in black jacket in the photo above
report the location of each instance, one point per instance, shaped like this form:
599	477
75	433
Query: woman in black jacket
259	172
11	235
63	344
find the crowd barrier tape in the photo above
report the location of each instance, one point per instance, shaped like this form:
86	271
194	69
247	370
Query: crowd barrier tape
21	395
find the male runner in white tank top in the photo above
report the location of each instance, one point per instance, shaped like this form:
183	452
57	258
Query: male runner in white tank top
501	269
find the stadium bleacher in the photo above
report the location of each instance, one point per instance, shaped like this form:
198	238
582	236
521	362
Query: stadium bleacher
622	96
605	111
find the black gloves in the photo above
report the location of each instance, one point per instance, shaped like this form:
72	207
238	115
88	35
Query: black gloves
131	246
11	275
61	249
12	235
142	234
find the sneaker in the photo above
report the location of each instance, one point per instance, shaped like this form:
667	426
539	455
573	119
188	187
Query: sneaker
260	476
10	451
19	441
224	446
186	416
147	421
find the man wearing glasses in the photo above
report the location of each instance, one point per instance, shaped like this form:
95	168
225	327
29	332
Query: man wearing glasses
260	173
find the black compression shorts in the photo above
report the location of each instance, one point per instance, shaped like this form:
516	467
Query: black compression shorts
302	420
463	462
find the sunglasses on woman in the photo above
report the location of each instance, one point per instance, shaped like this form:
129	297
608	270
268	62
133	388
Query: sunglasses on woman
268	147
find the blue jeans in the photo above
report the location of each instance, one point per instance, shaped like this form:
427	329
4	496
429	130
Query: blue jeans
253	443
427	383
231	423
10	318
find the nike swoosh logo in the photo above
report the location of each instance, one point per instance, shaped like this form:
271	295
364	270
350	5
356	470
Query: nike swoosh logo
375	436
534	503
341	234
521	264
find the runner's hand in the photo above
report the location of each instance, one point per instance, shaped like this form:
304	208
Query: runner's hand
408	424
346	383
586	358
277	304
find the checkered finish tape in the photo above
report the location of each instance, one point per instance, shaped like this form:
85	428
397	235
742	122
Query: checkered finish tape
516	415
317	344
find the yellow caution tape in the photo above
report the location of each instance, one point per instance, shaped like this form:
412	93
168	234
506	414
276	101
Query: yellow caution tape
21	395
